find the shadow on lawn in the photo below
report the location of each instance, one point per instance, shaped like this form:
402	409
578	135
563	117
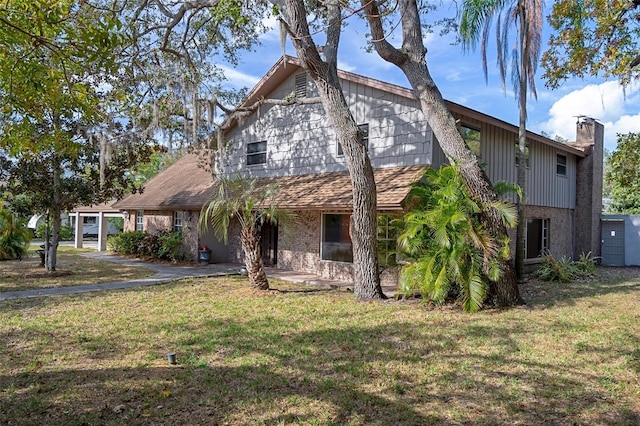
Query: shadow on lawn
608	280
335	375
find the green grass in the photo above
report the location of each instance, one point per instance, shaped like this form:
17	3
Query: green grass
71	269
571	356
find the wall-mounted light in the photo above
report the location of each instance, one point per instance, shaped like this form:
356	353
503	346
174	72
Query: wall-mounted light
125	214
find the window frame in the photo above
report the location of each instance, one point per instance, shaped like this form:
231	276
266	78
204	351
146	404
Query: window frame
178	221
387	243
260	155
323	234
139	220
561	166
472	128
543	237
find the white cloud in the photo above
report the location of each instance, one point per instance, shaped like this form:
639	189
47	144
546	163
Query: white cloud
238	79
607	102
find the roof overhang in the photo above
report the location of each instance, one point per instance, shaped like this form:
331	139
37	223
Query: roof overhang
332	191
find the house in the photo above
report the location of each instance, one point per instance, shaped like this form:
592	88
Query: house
295	148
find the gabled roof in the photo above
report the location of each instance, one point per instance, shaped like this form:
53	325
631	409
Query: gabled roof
289	65
327	191
182	186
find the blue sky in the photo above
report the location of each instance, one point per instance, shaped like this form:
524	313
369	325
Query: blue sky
460	79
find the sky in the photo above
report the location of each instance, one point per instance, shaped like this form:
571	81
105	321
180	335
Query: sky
460	78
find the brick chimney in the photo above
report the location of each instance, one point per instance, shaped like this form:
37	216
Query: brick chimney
589	174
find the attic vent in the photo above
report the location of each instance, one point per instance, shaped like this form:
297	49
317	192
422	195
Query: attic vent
301	85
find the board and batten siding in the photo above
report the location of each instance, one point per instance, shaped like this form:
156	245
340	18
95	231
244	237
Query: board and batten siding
544	187
300	140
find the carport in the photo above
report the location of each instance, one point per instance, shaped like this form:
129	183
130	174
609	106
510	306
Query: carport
101	212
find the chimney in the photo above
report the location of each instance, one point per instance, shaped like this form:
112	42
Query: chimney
589	174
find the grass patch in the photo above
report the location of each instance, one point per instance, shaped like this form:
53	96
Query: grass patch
318	357
72	269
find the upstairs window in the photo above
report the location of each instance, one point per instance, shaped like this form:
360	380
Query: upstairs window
140	220
364	128
472	137
256	153
178	217
561	164
301	85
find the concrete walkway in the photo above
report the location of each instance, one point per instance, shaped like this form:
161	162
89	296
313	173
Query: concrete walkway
167	273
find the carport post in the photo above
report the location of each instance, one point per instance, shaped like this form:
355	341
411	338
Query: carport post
102	232
78	227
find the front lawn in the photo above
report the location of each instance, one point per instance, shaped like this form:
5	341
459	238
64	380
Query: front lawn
306	355
71	269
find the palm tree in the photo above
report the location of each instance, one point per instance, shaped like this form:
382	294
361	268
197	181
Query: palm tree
448	249
239	198
527	17
14	236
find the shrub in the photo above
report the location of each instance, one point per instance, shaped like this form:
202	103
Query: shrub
171	246
164	245
66	231
126	243
564	269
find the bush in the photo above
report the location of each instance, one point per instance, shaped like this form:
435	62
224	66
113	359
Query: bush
66	232
171	246
564	269
126	243
165	245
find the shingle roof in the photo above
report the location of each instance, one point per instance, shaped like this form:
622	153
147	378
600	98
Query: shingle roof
182	186
104	208
328	191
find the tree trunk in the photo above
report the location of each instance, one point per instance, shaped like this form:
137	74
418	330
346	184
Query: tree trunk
411	60
252	259
521	178
363	229
56	221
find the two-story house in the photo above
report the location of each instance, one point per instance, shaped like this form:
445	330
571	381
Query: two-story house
295	148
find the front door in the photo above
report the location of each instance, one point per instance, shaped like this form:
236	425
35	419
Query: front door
269	244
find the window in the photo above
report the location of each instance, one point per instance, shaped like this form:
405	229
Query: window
526	154
336	242
387	237
178	217
364	128
301	85
536	237
256	153
140	220
561	164
472	137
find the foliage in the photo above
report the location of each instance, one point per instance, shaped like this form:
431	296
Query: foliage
593	37
171	247
622	174
164	245
126	242
251	206
14	235
476	21
565	269
449	251
66	231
